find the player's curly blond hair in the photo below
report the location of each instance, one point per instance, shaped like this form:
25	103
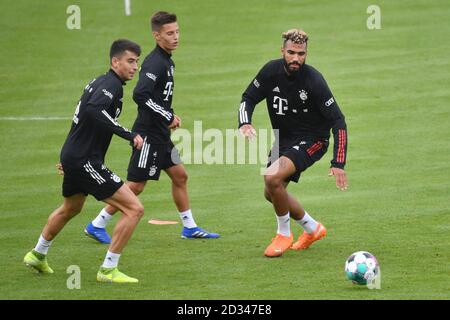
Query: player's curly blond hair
295	35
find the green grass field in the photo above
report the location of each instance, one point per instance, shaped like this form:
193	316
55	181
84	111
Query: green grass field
392	84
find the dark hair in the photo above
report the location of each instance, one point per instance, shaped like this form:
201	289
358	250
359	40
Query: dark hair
161	18
118	47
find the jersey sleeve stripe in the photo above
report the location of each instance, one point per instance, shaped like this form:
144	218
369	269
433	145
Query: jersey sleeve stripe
113	121
109	117
341	148
338	159
155	107
243	116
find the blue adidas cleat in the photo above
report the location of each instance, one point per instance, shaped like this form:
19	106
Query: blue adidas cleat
198	233
98	234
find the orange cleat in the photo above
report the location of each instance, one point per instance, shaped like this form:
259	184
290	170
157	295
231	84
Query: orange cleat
279	245
306	239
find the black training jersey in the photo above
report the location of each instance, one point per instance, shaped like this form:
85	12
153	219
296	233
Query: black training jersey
301	107
95	121
153	95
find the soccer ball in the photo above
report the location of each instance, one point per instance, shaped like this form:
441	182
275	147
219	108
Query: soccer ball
361	267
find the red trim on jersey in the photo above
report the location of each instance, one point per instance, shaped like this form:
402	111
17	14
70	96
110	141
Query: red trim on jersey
341	146
314	148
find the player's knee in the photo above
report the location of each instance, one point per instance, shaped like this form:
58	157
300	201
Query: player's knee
137	211
267	195
272	182
67	212
137	188
76	210
180	179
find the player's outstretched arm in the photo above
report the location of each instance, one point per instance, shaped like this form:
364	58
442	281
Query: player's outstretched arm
341	178
97	108
105	120
248	131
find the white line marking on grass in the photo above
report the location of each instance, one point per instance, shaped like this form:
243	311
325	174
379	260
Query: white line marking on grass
127	7
33	118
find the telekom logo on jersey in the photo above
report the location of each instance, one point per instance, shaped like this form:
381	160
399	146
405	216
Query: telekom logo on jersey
280	104
168	91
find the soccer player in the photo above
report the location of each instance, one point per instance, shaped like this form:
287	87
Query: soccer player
302	111
153	95
82	164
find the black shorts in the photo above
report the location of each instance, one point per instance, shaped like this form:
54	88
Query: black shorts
302	153
94	179
147	163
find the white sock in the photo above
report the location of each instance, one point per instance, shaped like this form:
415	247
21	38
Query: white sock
43	245
111	260
284	226
308	223
102	219
187	219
